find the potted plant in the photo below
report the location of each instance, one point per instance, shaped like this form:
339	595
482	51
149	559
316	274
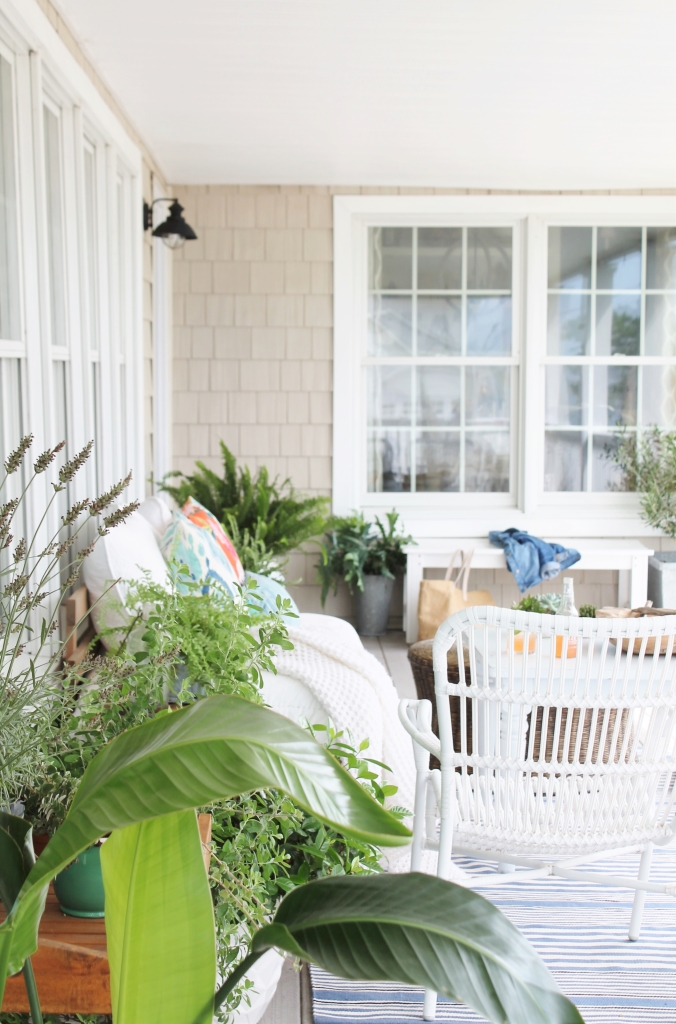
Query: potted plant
266	519
368	557
36	572
143	788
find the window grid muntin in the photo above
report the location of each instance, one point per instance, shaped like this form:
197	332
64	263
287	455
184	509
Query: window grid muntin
463	360
593	361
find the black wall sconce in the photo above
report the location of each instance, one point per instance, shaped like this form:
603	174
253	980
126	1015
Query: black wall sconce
174	231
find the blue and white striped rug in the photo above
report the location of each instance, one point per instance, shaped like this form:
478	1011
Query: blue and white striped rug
581	933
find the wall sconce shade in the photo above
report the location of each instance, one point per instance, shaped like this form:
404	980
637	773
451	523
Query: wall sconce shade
174	231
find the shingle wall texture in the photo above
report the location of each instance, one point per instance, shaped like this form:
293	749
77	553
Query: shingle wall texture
253	318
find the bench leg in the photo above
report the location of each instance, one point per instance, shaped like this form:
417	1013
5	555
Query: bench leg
414	574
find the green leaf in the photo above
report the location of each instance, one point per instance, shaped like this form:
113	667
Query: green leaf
216	748
159	922
16	856
419	930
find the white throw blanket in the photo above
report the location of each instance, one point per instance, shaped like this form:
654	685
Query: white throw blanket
360	698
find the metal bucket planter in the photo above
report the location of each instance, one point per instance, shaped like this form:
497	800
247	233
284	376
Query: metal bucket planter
373	606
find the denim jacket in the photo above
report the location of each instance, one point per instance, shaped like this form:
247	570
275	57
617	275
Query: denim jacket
530	559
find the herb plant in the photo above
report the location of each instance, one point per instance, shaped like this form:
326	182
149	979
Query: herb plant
265	518
648	463
36	571
354	548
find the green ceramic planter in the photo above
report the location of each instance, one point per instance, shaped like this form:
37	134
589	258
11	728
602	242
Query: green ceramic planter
79	888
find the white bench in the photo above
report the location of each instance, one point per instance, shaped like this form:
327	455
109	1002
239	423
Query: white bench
628	557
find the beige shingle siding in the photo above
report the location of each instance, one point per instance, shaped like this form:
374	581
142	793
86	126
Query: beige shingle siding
253	346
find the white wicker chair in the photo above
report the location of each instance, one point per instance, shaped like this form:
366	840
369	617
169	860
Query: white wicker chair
547	761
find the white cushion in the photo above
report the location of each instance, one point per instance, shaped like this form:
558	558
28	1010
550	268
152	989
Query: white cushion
335	629
291	698
125	554
157	512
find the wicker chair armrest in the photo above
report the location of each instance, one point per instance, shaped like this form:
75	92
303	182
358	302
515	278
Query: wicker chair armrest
422	734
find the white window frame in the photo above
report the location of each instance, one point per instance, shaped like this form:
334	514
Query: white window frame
46	72
528	506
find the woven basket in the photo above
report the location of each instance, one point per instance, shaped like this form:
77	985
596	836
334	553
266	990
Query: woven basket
420	657
608	713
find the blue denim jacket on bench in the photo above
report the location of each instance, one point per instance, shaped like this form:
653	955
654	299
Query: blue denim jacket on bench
531	559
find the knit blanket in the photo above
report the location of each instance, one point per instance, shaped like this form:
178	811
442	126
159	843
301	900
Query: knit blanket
360	698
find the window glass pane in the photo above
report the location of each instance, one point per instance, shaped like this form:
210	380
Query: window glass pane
618	325
606	474
570	254
96	415
389	328
10	329
568	325
124	465
437	466
618	259
90	245
391	259
486	461
489	258
439	325
660	325
389	396
566	396
489	325
615	390
438	396
60	396
659	396
11	413
389	460
440	258
55	247
487	395
661	258
565	460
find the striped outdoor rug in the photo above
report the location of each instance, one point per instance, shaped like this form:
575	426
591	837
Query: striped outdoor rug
581	933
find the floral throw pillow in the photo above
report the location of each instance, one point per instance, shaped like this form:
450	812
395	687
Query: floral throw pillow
194	547
202	517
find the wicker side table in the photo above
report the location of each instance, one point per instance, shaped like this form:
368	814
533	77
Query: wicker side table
420	657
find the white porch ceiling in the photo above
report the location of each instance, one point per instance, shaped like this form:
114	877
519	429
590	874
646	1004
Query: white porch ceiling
505	94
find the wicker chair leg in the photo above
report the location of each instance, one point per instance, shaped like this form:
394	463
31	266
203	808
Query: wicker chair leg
640	894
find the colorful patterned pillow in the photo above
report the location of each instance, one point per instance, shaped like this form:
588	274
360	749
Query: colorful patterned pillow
195	548
264	598
202	517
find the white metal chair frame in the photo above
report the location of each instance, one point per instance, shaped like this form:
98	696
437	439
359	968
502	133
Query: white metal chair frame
560	760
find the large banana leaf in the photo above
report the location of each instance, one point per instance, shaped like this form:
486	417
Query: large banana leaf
218	747
16	856
159	922
419	930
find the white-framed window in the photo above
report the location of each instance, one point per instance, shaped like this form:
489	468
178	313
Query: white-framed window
489	350
70	260
441	359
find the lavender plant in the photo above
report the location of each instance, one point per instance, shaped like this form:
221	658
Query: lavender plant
35	575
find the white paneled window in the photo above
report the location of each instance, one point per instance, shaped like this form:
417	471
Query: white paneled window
490	353
70	261
611	347
440	359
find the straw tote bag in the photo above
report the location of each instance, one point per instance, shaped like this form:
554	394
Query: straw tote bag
441	598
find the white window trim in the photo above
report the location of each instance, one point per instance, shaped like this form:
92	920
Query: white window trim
570	515
46	71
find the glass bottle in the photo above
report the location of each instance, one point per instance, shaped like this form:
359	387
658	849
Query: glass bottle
567	607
